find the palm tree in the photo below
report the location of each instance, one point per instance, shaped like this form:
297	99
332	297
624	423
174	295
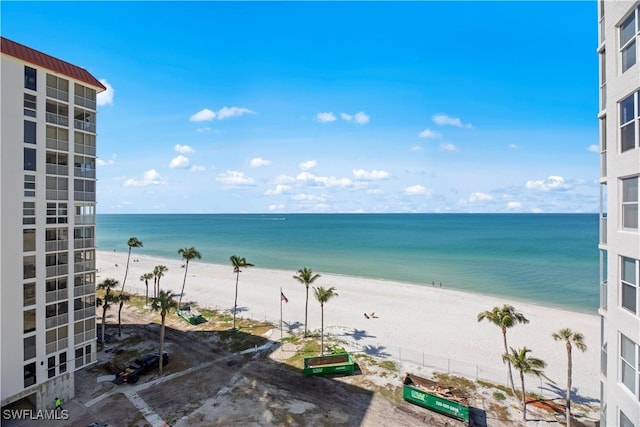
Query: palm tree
237	263
145	278
132	243
121	298
576	338
525	364
158	272
323	295
505	317
162	303
306	277
105	302
187	255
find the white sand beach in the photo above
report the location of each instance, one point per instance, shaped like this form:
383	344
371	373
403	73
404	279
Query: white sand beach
427	325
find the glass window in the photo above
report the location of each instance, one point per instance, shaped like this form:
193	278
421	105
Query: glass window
628	31
63	362
29	78
630	203
29	159
627	123
51	367
29	210
29	267
29	321
28	240
30	191
625	421
29	347
29	105
28	294
628	360
29	132
30	374
79	357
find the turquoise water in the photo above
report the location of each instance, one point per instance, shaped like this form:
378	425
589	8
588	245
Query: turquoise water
550	259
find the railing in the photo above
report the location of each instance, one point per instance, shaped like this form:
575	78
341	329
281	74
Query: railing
603	295
57	194
57	144
53	169
84	125
54	321
52	347
84	196
603	164
84	243
57	119
57	295
84	266
603	97
56	245
85	219
85	102
57	270
79	291
601	30
603	359
83	313
603	230
89	150
84	336
84	173
53	92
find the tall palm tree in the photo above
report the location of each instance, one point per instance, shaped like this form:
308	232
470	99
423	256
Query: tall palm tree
162	303
187	255
306	277
132	243
121	299
105	302
323	295
145	278
505	317
525	364
158	272
237	263
570	339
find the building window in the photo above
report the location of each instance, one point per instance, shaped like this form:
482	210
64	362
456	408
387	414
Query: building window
63	362
629	369
30	191
630	203
625	421
28	240
29	346
30	159
87	354
79	357
629	285
29	210
51	367
29	105
28	294
29	267
29	132
30	374
628	40
29	321
57	87
629	115
29	78
57	213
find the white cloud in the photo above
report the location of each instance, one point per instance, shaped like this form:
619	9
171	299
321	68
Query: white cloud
347	117
428	133
203	115
514	205
594	148
513	146
445	120
373	175
326	117
415	190
416	148
150	177
105	97
309	197
183	149
551	183
284	179
280	188
226	112
276	207
234	178
374	191
309	164
257	162
448	147
537	210
196	168
102	162
203	129
327	181
361	118
480	197
179	162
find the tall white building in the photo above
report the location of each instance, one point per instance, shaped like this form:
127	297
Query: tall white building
47	220
619	53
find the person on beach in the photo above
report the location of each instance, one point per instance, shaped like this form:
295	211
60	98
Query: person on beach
366	315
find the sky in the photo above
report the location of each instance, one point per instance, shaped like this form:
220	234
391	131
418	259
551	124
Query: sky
334	107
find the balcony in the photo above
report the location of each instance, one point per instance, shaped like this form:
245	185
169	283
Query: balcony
53	92
603	97
54	169
84	243
55	321
88	150
57	144
603	295
84	336
85	220
56	245
84	173
603	164
57	270
84	196
57	119
59	345
84	125
57	195
60	294
85	102
84	313
82	290
80	267
603	230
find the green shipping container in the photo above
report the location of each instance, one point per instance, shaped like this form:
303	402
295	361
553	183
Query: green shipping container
414	393
329	364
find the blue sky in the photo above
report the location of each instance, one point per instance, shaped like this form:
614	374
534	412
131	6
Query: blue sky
332	106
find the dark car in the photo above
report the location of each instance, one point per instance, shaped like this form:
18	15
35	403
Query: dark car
142	365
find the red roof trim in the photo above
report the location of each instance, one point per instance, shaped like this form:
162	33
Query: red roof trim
38	58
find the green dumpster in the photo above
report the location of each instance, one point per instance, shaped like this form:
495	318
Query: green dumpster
436	397
330	364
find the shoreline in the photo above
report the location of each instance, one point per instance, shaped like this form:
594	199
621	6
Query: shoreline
413	321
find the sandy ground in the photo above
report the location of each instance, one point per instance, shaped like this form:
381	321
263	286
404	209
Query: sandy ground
432	326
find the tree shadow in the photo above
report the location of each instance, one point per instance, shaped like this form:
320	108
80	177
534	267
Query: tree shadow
358	334
238	309
292	326
575	397
377	350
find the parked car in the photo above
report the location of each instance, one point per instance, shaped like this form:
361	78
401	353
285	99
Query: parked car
140	366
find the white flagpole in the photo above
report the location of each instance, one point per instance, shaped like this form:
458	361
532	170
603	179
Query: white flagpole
281	315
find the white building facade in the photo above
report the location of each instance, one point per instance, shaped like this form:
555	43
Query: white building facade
47	220
619	116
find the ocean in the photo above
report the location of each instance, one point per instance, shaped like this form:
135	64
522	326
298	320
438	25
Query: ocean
547	259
